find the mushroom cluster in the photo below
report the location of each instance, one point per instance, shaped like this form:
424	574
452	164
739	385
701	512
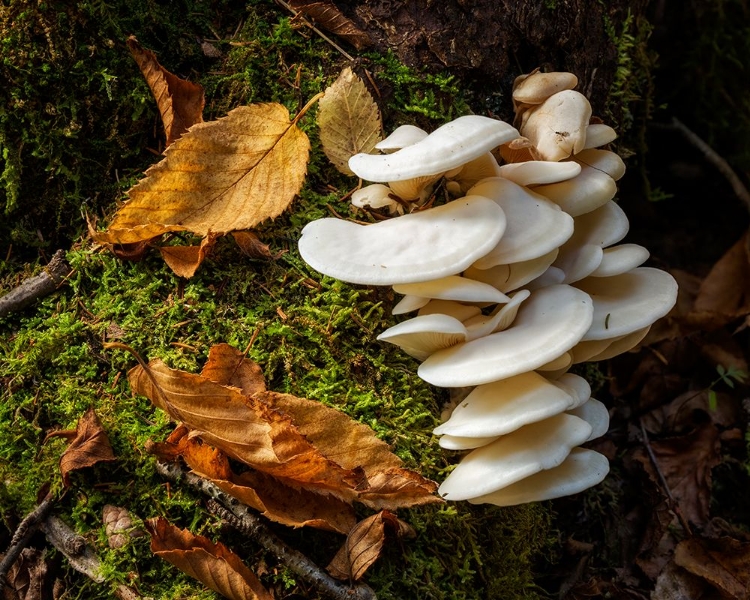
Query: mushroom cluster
514	280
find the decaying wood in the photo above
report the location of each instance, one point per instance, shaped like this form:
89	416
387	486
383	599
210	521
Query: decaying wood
24	532
242	518
36	287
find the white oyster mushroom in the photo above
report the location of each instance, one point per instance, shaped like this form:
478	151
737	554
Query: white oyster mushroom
557	127
537	87
376	195
499	320
599	134
621	345
595	414
539	172
589	190
452	442
535	226
420	246
512	276
422	336
453	287
602	160
415	189
620	259
581	470
561	363
512	457
454	309
628	302
574	385
401	137
409	304
460	180
497	408
548	324
583	351
552	276
449	146
581	263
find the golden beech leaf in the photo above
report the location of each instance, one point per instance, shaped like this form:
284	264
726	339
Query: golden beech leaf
329	17
180	102
213	564
364	544
349	120
89	445
220	176
276	501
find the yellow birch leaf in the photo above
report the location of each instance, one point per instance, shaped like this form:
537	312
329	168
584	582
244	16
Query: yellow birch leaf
349	120
220	176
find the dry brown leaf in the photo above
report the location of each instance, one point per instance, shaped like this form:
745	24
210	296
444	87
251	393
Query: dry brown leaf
250	244
185	260
349	120
723	562
228	366
221	176
27	578
329	17
180	102
89	445
213	564
364	544
245	428
276	501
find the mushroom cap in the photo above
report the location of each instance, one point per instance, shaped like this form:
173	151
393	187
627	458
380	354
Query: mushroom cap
557	127
499	320
586	192
453	287
408	304
376	195
595	414
621	345
468	175
620	259
512	276
449	146
452	442
576	386
579	263
503	406
599	134
628	302
537	87
552	276
454	309
561	363
416	247
512	457
417	188
539	172
423	335
401	137
549	323
581	470
602	160
535	225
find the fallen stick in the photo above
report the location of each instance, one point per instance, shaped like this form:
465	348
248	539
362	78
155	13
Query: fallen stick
24	532
36	287
243	519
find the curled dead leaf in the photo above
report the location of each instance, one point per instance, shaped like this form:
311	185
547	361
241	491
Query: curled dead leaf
329	17
213	564
722	562
185	260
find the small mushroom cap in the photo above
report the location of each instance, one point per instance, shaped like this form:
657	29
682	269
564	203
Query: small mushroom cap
537	87
552	276
499	320
557	127
620	259
584	351
454	309
535	227
453	287
549	323
512	276
595	414
621	345
576	386
561	363
449	146
581	470
503	406
402	136
539	172
586	192
628	302
512	457
598	134
418	188
602	160
421	336
408	304
452	442
579	263
473	171
416	247
376	195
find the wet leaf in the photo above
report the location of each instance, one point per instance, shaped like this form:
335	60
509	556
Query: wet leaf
723	562
180	102
213	564
221	176
349	120
185	260
329	17
364	544
89	445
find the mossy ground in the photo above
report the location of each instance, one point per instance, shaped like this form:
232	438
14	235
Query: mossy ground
315	337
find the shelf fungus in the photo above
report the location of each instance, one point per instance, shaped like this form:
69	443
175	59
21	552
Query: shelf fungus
515	279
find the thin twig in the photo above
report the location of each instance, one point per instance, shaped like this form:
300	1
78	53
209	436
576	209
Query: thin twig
36	287
675	506
717	161
242	518
24	532
299	16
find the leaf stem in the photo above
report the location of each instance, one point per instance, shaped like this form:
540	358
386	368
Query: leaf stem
307	107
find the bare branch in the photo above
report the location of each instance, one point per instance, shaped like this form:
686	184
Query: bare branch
36	287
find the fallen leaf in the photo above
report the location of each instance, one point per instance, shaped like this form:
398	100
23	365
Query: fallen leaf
185	260
180	102
251	245
364	544
89	445
213	564
349	120
228	366
221	176
675	583
27	578
723	562
276	501
330	18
